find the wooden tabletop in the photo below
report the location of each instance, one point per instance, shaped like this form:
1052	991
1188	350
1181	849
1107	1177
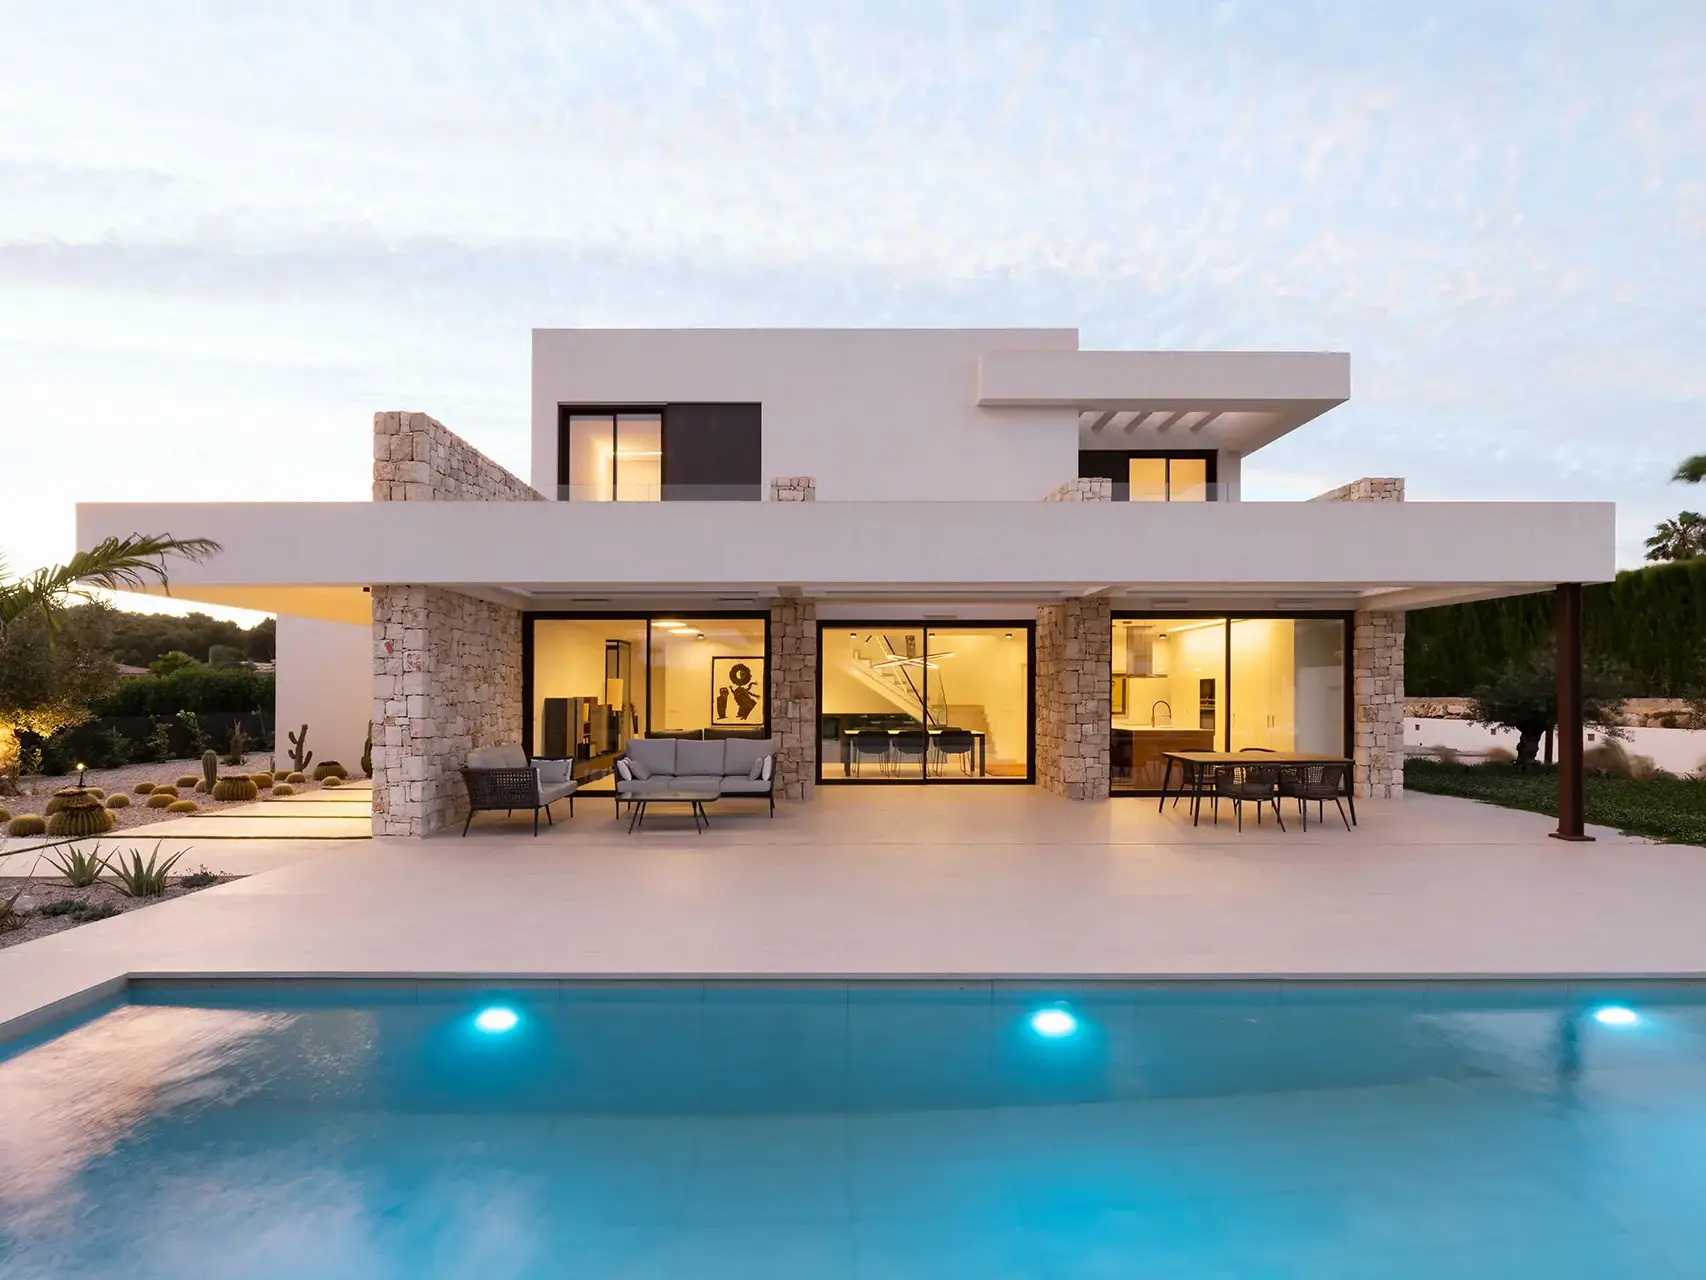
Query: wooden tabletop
1254	757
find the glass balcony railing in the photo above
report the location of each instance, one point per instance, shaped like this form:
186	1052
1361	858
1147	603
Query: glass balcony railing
604	493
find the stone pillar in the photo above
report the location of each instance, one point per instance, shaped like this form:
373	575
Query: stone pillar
1084	489
446	666
793	489
446	679
793	696
1074	697
1378	646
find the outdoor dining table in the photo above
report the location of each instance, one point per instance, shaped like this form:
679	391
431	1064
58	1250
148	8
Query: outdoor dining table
1198	763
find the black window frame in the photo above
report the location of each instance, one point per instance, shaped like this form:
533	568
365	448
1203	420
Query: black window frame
1115	465
748	488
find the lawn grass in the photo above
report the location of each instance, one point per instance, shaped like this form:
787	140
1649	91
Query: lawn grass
1665	807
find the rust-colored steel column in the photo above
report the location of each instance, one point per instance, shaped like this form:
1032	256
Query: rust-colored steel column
1567	602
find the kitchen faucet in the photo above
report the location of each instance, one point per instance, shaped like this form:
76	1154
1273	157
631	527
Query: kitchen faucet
1160	702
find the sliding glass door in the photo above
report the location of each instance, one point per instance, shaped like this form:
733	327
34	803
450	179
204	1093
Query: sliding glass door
904	703
1288	685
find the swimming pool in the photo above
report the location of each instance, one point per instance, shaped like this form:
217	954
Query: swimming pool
902	1130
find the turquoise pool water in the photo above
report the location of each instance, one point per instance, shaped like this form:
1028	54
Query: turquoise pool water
987	1131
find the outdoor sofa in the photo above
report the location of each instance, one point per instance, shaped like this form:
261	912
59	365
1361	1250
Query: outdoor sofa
504	778
733	766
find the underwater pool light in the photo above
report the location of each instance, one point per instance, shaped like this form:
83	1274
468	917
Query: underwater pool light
1616	1015
496	1019
1052	1024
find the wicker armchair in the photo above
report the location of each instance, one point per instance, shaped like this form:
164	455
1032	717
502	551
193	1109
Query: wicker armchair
1320	783
504	778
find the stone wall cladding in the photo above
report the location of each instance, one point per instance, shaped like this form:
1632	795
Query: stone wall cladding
1084	489
446	679
793	696
418	459
793	489
1074	675
1378	695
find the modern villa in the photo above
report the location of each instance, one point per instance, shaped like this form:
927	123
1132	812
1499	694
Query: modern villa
971	558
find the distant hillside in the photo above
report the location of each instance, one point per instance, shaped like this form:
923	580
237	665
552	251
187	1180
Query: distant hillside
1651	622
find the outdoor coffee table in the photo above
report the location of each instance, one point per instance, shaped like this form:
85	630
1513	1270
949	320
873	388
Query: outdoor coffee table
696	798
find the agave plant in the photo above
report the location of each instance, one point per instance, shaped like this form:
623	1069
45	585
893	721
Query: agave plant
10	916
79	869
138	879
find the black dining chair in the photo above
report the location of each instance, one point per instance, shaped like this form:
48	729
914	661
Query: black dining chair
1320	783
955	742
1244	784
869	746
909	746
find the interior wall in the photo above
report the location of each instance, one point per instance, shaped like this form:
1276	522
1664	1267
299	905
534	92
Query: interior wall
568	662
990	671
325	680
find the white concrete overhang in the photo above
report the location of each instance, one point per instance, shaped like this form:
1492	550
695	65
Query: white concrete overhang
1187	400
314	559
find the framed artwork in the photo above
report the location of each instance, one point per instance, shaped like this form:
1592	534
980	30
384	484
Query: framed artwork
737	691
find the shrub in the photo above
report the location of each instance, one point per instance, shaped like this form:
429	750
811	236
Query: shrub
80	869
333	781
1607	756
160	799
136	879
81	912
189	724
185	780
190	690
235	787
143	788
198	879
295	778
329	769
283	789
118	800
157	746
1498	755
181	806
27	824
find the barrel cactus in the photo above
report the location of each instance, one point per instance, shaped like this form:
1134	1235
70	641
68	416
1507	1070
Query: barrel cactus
118	800
5	814
79	814
166	790
181	806
283	789
97	792
201	786
333	781
186	782
329	769
142	788
262	780
296	779
159	799
56	801
27	824
235	787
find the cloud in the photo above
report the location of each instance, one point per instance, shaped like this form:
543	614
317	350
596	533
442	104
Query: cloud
304	214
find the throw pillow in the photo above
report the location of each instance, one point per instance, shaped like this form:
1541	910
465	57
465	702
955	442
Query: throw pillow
625	770
769	764
552	772
757	770
638	771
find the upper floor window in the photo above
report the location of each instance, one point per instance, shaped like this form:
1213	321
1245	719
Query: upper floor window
671	453
1143	476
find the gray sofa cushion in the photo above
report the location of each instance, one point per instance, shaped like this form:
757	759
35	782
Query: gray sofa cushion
552	772
745	787
743	753
652	756
551	792
700	758
664	783
508	756
709	781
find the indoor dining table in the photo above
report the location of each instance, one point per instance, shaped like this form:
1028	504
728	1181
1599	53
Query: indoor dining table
1198	763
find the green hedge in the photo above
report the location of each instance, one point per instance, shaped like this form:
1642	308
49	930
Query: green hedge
1650	622
1664	807
200	689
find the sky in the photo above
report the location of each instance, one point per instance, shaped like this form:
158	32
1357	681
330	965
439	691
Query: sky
230	233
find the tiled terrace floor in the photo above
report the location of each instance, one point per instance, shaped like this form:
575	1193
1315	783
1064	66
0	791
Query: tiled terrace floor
955	881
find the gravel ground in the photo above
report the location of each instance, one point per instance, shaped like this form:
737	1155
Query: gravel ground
42	893
37	789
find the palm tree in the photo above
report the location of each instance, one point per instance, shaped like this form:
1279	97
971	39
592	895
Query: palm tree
1693	470
1679	539
113	563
